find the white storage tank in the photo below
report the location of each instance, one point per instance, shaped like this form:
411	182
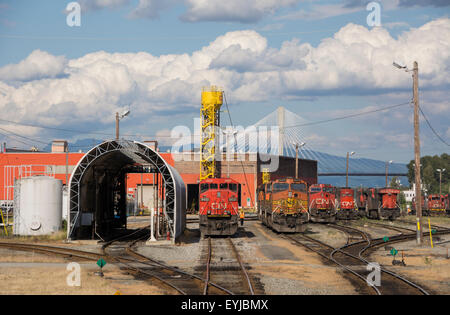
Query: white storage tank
37	205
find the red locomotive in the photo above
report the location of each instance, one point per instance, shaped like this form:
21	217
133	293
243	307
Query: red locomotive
218	206
346	205
283	205
322	203
436	204
382	203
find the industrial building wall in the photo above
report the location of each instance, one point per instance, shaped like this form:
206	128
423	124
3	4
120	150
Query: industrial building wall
307	169
37	158
246	172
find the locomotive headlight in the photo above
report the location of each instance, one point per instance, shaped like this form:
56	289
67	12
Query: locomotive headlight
204	199
209	212
232	199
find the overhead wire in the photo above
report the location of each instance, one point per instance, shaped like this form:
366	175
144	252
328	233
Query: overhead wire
431	127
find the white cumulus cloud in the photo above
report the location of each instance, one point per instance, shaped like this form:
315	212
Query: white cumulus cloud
38	65
51	90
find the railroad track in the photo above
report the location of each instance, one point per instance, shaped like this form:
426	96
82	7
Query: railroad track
122	252
52	250
350	258
226	269
434	226
391	283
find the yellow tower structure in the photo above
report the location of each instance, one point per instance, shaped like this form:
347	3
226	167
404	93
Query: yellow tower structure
265	176
212	100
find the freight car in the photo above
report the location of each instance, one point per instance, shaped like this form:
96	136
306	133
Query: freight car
283	205
322	203
382	203
346	205
218	206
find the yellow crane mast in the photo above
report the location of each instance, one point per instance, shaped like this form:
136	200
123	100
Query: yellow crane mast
212	100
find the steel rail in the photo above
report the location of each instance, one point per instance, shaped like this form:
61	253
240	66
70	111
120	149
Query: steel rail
208	262
330	257
244	271
154	262
370	244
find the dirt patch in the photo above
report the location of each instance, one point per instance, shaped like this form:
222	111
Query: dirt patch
427	266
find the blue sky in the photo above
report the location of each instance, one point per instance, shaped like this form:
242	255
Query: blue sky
154	56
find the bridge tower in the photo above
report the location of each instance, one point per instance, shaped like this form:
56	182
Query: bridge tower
212	100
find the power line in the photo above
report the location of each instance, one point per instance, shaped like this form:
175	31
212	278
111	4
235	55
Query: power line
235	139
348	116
23	137
431	127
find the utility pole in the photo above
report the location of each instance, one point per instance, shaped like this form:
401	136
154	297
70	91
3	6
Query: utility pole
297	147
440	179
346	172
417	153
416	147
118	118
387	165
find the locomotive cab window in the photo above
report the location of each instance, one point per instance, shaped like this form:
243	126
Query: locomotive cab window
233	187
315	189
298	187
280	187
223	186
213	186
328	190
204	188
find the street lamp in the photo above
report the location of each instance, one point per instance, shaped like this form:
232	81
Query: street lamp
297	147
119	117
228	132
440	179
346	176
387	164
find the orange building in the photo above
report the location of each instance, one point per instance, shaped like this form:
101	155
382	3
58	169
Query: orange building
245	169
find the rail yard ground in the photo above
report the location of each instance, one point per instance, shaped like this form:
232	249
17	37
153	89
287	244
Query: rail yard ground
275	264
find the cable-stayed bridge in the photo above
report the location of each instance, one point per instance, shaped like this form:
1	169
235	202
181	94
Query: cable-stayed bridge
292	131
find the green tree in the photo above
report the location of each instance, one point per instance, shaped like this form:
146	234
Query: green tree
429	173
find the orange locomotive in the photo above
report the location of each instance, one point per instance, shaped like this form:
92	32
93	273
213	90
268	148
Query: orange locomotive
218	206
322	203
436	204
283	205
346	205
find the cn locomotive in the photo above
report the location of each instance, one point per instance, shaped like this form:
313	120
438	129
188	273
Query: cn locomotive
322	203
433	204
346	205
382	203
436	204
283	205
218	206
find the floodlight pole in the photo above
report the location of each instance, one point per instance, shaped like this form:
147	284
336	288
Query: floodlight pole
117	126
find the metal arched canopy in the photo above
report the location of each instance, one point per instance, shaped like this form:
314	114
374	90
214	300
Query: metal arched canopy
117	154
